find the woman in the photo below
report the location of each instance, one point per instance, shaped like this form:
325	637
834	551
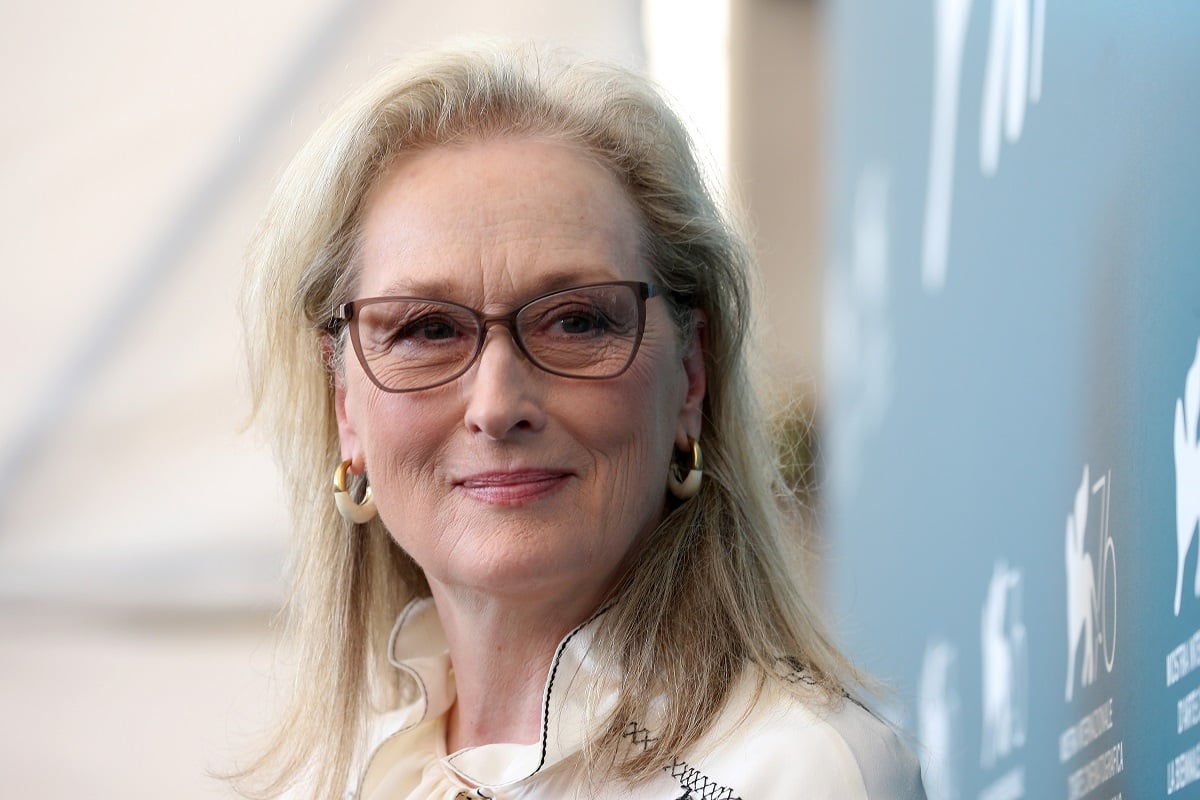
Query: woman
494	295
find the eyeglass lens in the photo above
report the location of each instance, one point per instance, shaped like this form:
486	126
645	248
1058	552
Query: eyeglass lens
589	332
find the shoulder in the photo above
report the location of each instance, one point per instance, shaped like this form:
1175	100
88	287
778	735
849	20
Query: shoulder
781	744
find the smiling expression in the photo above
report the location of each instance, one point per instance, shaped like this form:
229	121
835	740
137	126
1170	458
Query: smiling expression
509	480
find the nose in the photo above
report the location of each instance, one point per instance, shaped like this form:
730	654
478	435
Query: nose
503	395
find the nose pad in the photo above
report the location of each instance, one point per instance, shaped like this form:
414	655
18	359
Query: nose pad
503	394
508	325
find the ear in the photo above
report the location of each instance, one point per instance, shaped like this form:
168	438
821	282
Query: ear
692	413
348	436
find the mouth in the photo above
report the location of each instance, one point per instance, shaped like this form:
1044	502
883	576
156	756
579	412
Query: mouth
513	487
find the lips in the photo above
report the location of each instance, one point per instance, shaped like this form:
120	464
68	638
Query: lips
513	487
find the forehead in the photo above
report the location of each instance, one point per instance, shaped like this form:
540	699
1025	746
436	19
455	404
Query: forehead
491	222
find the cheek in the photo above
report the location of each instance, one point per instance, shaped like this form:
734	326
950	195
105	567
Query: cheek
658	388
634	430
400	438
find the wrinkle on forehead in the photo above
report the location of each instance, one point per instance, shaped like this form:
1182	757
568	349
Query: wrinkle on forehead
496	222
439	288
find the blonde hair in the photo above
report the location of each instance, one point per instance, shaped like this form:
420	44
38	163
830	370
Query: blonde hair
717	585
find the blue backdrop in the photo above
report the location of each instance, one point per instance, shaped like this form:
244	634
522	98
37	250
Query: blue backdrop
1013	319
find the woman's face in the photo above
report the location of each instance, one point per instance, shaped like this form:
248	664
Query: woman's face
508	480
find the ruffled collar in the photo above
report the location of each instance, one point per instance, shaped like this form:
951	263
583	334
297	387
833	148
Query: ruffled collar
578	696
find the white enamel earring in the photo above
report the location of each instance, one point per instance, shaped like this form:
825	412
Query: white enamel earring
686	486
353	512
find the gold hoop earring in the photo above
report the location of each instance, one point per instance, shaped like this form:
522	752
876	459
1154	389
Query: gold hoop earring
686	486
351	511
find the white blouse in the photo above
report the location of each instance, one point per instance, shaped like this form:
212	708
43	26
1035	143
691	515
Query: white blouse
771	747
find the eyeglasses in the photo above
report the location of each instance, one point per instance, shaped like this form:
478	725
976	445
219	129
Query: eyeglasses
408	343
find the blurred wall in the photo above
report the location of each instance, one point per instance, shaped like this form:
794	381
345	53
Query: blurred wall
777	173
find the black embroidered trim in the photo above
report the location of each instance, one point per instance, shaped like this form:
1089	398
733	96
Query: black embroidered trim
639	735
562	648
793	670
696	785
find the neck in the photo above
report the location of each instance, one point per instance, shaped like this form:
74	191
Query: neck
501	652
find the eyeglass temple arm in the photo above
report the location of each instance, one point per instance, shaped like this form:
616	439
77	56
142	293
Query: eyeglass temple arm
341	315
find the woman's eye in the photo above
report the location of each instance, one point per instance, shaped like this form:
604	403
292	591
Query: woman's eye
430	329
580	323
427	329
575	319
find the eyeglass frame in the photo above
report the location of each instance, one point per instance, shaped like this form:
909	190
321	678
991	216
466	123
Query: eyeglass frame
344	316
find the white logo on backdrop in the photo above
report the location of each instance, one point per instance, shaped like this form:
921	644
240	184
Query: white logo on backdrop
1012	78
1091	608
1187	473
950	19
1081	591
858	335
937	711
1005	666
